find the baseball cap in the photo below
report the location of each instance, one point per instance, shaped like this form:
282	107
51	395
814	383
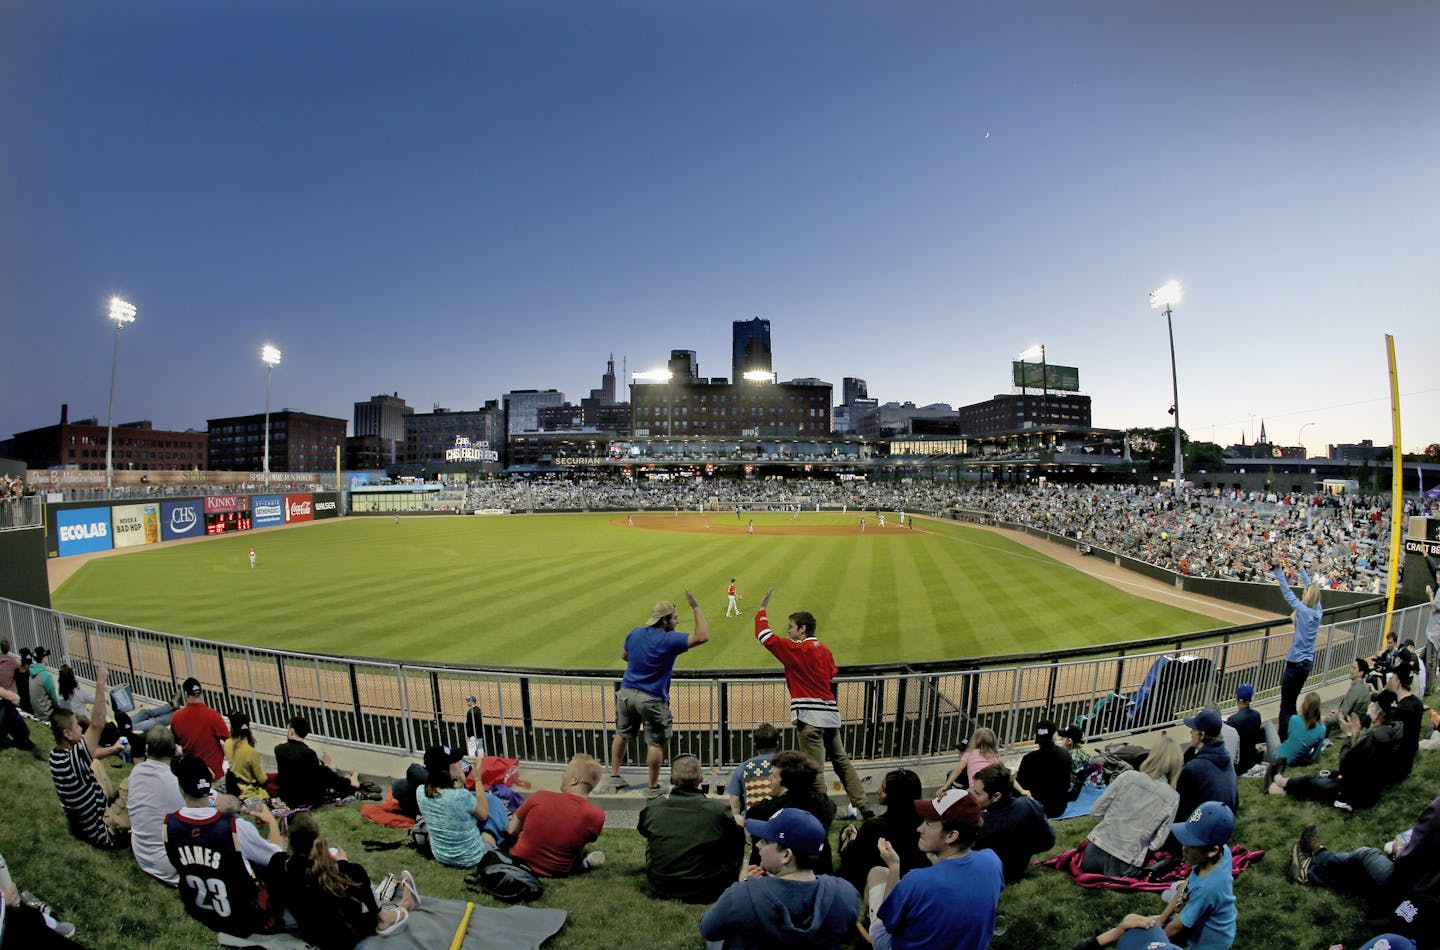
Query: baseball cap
661	610
1390	942
1211	824
1245	692
956	805
1386	700
1074	733
39	654
471	699
193	775
793	828
1206	721
1045	729
191	686
439	758
1147	938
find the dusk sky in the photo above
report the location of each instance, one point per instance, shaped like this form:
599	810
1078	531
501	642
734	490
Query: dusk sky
453	200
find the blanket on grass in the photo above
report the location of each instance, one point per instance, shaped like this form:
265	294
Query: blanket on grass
1169	872
434	925
1080	807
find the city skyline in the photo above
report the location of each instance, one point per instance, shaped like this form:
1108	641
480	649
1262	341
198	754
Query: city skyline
452	202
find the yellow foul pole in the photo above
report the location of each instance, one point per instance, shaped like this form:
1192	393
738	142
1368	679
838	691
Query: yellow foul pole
1397	476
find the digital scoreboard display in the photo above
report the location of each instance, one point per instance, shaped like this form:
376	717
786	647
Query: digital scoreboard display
222	522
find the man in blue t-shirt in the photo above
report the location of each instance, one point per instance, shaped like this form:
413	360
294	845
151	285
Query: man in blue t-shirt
921	910
644	696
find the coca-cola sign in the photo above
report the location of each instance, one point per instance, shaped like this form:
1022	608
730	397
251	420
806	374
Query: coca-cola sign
218	503
297	508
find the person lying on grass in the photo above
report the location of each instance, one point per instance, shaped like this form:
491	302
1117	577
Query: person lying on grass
1203	905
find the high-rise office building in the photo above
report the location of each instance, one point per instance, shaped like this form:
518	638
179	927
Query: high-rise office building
522	408
380	422
853	388
751	348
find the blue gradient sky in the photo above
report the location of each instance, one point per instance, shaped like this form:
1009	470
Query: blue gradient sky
452	200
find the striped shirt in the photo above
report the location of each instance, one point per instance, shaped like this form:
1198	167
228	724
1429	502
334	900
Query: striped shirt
809	669
81	795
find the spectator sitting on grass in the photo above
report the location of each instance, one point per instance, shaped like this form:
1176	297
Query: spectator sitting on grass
13	731
1071	739
9	664
406	789
949	905
1368	762
1208	916
246	777
792	785
552	829
305	778
980	751
73	696
23	927
83	791
462	824
1045	773
1015	828
1408	707
330	896
1357	697
860	844
222	861
693	847
1302	745
1133	816
783	901
1208	774
22	684
1412	878
1247	725
153	793
44	698
750	782
199	729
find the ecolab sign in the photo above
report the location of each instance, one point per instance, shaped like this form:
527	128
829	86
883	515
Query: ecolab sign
181	519
297	508
216	504
82	530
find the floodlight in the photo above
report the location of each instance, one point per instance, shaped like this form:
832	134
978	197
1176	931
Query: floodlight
1167	295
269	355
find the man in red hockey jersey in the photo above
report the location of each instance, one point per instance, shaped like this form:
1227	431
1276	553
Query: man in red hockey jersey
809	672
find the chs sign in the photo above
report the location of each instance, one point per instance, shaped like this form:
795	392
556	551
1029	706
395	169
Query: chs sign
465	451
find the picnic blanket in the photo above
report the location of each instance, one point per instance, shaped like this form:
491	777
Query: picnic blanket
386	813
1240	860
1080	807
434	925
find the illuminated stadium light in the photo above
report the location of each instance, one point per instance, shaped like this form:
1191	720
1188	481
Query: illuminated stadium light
1167	295
1032	353
270	356
122	312
759	375
654	375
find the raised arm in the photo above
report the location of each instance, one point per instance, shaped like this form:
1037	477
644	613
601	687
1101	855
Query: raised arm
99	713
1285	590
702	626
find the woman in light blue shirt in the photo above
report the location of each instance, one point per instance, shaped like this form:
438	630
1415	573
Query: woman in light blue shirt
1307	613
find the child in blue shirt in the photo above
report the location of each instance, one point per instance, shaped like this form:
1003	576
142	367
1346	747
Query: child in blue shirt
1205	900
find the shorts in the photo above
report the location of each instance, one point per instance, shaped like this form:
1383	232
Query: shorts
634	709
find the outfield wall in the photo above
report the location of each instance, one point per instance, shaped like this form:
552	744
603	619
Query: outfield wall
84	527
889	713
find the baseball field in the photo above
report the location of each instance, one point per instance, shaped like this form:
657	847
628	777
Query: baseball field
561	590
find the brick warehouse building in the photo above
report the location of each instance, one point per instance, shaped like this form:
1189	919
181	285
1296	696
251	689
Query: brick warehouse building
138	446
299	442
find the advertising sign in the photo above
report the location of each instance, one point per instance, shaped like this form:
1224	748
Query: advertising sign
181	519
297	508
267	510
325	505
218	503
82	530
134	525
1046	376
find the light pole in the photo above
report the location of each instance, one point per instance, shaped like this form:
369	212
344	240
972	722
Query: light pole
122	313
1300	439
1165	299
270	356
1038	350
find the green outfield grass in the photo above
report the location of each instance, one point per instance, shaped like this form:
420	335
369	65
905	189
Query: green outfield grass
562	590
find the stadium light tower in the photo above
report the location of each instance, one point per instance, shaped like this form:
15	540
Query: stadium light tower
662	376
1165	298
1037	350
270	356
122	313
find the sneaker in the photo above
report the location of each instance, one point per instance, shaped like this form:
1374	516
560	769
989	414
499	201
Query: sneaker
1276	768
385	890
655	791
594	860
1259	770
1302	853
618	783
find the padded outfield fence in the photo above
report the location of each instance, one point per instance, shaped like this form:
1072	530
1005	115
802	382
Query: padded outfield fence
891	712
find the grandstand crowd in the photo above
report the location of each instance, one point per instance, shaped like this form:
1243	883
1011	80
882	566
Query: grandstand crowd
927	871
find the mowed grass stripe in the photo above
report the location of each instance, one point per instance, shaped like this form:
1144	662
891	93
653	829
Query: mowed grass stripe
562	591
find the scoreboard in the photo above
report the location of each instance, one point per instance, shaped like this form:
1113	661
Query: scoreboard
223	522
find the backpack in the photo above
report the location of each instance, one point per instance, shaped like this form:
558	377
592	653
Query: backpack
505	878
